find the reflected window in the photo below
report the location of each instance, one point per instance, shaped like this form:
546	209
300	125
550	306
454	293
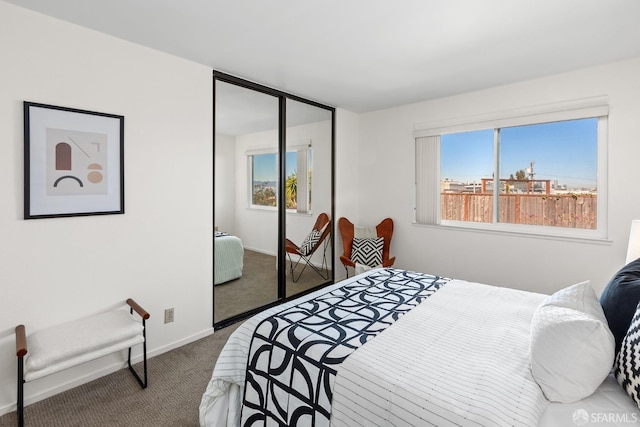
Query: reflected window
264	185
264	179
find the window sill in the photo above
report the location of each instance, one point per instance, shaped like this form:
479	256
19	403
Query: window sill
275	210
598	240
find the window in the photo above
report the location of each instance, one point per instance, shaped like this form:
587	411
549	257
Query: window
264	185
541	173
263	168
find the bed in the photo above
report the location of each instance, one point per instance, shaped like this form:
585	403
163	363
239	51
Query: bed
438	351
228	257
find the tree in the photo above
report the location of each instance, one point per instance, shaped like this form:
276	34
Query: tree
521	175
291	190
264	195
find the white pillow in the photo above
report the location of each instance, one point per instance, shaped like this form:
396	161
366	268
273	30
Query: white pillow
572	349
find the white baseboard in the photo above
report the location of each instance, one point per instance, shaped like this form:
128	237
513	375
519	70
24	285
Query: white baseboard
179	343
100	372
261	251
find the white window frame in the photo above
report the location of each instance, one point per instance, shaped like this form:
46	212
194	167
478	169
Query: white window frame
302	169
303	166
427	166
249	155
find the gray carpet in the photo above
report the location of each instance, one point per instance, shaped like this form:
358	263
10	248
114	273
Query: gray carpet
258	286
177	380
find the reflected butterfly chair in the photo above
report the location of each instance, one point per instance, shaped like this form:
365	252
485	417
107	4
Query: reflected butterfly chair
368	246
309	246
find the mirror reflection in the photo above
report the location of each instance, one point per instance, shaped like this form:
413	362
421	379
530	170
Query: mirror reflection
245	202
308	197
267	218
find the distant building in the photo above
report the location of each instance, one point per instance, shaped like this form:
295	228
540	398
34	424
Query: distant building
512	186
449	186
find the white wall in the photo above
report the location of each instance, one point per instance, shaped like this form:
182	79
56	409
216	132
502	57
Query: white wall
225	185
386	186
347	160
160	251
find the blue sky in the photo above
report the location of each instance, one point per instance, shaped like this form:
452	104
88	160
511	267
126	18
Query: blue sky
566	151
265	166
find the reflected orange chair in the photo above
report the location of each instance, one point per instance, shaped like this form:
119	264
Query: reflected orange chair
318	235
347	231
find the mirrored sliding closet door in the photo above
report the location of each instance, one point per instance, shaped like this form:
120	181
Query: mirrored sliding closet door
273	197
308	196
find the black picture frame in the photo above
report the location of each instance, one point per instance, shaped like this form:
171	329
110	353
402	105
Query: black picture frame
73	162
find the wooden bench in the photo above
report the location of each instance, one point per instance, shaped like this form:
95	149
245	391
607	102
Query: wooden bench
64	346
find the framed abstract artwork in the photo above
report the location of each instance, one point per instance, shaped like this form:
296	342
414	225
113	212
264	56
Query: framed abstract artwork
73	162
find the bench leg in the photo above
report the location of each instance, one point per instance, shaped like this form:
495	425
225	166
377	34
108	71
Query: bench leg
20	405
142	383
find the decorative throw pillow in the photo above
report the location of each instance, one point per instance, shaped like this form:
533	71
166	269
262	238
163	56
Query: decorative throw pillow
620	299
367	251
572	348
310	241
627	367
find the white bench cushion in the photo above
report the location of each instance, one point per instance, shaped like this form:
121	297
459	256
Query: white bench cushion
60	347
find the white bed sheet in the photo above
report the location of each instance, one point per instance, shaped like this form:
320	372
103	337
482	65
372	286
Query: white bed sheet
228	259
457	359
609	406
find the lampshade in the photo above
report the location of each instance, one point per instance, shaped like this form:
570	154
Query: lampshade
633	250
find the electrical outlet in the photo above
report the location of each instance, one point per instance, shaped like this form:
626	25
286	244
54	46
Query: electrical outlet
168	315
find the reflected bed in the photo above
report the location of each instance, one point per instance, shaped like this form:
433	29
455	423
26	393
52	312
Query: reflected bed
228	258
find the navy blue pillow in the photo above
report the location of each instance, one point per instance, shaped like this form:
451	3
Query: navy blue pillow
620	299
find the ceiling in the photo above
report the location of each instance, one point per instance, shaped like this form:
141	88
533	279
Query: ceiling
364	55
240	111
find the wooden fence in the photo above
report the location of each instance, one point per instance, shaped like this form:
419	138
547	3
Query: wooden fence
558	210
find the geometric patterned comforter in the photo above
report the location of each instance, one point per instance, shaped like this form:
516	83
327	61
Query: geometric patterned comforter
294	355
